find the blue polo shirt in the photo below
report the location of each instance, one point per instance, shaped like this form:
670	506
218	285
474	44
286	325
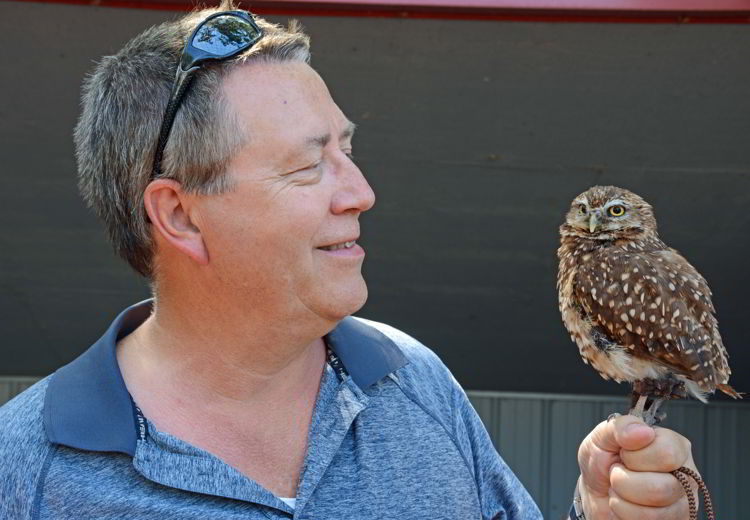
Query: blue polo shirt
392	435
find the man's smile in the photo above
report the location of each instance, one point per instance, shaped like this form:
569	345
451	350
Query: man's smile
341	245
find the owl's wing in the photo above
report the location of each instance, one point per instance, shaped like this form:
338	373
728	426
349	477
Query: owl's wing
657	305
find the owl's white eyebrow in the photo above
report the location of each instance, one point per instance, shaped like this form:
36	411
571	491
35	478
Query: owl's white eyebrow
616	202
583	200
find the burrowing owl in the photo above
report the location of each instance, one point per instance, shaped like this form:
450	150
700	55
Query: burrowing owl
637	310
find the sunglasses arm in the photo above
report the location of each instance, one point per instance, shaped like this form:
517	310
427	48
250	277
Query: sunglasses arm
179	87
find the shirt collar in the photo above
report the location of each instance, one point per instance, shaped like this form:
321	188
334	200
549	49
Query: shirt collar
88	407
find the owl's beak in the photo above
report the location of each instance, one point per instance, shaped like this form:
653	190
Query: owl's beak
593	222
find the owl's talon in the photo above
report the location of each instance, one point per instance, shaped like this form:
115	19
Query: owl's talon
613	416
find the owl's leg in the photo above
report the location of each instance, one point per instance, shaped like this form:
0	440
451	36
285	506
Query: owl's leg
640	405
634	396
651	417
644	400
639	397
660	390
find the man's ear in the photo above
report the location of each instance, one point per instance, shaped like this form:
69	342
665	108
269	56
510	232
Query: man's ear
168	207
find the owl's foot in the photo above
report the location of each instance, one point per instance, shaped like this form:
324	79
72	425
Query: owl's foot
613	416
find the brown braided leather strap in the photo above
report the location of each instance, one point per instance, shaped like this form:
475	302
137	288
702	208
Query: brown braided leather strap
679	474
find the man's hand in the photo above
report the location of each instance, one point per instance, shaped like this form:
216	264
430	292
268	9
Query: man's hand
625	469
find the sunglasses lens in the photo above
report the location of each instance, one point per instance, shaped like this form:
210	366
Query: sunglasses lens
224	35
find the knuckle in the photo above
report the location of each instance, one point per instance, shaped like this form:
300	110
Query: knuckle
584	451
675	448
665	492
672	456
651	513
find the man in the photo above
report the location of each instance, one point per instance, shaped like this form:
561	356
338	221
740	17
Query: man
244	389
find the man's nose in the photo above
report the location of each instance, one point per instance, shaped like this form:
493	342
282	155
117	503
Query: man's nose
354	192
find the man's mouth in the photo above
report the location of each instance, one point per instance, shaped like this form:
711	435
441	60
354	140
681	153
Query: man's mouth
341	245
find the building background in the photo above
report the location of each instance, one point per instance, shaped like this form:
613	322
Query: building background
475	135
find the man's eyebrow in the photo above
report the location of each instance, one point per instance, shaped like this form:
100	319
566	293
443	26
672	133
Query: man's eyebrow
348	131
321	141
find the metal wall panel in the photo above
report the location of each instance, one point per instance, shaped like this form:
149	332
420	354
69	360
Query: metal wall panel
12	386
538	437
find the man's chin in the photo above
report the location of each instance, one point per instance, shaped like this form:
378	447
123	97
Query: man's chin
348	303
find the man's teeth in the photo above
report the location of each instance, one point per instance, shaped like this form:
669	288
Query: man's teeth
343	245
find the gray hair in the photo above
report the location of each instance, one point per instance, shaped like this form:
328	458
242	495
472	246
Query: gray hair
124	100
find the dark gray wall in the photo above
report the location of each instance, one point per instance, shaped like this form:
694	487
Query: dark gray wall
475	136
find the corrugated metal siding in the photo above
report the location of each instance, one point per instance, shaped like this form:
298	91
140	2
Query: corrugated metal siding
10	386
538	436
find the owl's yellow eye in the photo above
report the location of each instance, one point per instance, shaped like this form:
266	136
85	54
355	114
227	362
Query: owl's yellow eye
617	211
582	209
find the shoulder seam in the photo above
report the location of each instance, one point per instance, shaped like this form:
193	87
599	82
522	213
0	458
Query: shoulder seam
47	411
36	506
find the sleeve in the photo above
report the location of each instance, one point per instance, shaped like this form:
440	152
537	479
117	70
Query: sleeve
23	452
501	494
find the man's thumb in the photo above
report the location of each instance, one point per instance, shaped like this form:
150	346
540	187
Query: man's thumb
625	432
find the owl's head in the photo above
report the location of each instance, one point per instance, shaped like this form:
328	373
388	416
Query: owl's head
608	213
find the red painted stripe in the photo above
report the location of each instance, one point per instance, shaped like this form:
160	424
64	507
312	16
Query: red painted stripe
600	5
606	11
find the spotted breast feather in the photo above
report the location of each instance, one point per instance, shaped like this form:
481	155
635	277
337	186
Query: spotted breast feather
644	297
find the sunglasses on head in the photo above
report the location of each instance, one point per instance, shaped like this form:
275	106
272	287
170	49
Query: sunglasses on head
217	38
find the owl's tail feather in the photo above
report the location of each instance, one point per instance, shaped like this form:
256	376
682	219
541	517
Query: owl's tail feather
730	391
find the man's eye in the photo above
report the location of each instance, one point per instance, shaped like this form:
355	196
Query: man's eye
306	169
307	175
314	166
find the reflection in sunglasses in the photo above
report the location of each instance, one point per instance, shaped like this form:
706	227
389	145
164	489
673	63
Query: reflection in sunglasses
224	34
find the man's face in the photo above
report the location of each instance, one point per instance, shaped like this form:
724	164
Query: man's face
284	236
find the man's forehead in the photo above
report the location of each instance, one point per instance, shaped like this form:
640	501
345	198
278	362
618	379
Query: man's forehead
285	109
280	93
274	87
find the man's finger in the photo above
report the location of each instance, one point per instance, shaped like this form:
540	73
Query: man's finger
645	488
628	511
601	448
668	451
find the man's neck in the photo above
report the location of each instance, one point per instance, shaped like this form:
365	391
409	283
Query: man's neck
210	363
202	382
